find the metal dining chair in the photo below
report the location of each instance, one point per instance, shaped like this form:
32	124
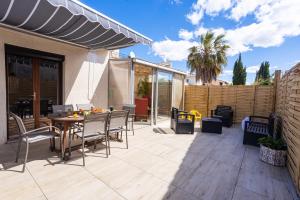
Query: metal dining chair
84	107
118	121
58	109
95	127
33	136
131	116
61	109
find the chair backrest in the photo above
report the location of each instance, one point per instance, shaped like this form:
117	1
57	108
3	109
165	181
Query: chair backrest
221	108
84	107
21	126
195	112
141	108
62	108
130	108
118	119
174	112
95	123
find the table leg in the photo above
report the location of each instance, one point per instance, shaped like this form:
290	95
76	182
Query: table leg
64	143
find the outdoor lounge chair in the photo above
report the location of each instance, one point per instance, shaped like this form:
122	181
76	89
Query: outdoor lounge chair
197	114
33	136
224	113
258	127
94	128
131	117
182	122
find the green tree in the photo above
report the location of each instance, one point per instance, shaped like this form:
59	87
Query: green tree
263	76
208	59
239	72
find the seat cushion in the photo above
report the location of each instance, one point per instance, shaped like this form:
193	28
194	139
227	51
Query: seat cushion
116	130
91	136
217	120
40	136
184	121
256	127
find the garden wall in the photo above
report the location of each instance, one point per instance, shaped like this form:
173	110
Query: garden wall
288	107
244	100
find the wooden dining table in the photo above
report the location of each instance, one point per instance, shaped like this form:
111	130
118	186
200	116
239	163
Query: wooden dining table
67	122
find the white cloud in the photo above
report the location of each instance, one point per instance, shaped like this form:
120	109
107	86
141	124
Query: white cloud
252	69
202	30
255	68
199	31
185	34
195	16
213	7
227	72
210	7
226	75
172	50
243	7
275	20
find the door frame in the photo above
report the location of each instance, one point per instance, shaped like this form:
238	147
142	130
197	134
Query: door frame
157	71
36	56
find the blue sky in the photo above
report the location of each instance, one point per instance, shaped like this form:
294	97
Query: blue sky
262	30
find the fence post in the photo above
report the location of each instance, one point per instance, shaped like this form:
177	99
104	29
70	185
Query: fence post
276	82
207	104
254	99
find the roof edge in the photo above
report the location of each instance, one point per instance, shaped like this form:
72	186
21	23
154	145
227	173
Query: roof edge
144	62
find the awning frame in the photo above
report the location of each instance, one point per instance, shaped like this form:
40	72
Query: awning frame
69	21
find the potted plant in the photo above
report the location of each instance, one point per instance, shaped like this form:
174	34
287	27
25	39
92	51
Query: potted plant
143	87
273	151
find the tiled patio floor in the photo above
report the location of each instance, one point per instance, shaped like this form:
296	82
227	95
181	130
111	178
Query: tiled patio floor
157	165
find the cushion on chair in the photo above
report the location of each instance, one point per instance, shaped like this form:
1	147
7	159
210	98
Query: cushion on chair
39	136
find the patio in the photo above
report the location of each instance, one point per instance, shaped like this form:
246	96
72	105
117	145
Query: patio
157	165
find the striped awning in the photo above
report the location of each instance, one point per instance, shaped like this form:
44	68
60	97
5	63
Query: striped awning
70	21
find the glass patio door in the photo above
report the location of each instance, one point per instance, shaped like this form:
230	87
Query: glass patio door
178	91
163	95
32	89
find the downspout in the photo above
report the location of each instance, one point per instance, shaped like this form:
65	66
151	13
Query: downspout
131	84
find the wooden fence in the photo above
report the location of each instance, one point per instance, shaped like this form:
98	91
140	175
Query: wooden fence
244	100
288	107
283	98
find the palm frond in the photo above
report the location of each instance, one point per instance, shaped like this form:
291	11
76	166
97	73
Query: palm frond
207	59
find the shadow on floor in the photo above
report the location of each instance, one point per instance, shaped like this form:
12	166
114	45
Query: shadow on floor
221	167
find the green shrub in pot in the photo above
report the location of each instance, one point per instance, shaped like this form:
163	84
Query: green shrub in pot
276	144
273	151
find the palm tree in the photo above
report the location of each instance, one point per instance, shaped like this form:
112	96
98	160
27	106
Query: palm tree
208	59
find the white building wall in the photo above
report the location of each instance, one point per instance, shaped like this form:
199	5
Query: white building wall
85	73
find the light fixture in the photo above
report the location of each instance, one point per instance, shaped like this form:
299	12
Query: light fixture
131	54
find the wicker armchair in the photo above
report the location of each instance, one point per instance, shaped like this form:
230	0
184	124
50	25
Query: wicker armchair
182	122
258	127
224	113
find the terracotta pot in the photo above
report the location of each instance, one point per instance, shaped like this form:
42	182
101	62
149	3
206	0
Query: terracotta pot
273	157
